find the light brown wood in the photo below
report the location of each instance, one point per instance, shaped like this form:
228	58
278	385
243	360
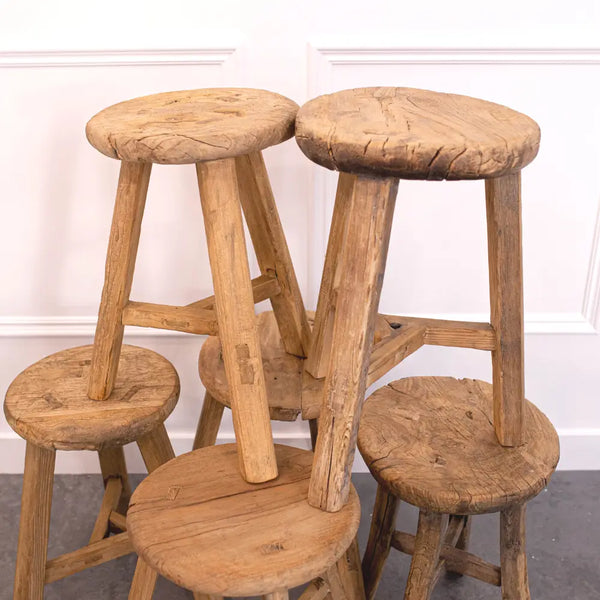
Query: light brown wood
263	287
428	543
280	595
459	334
117	520
118	277
451	535
503	203
408	438
237	321
209	422
112	464
155	448
415	134
457	561
513	559
89	556
362	264
249	538
347	571
272	251
318	589
320	349
34	525
144	581
189	126
110	502
380	539
175	318
47	403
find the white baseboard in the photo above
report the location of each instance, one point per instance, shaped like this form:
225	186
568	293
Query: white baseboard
580	451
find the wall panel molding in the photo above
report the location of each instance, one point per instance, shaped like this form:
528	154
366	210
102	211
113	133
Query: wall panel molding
322	59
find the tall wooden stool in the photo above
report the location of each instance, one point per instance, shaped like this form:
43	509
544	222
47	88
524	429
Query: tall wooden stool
449	447
47	405
198	523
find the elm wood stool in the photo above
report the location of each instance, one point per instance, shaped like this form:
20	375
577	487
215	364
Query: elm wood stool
47	405
222	131
386	134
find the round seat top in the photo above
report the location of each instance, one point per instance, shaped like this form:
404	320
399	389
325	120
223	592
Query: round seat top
47	404
431	441
198	523
193	125
415	134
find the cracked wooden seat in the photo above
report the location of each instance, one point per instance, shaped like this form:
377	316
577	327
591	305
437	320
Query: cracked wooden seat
197	522
193	125
431	441
415	134
47	404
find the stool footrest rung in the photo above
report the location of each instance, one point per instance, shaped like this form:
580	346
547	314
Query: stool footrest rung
89	556
457	561
110	501
176	318
441	332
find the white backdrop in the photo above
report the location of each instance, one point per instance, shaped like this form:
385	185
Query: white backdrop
62	61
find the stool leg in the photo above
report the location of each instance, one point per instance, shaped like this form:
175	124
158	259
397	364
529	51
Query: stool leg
120	263
362	266
272	251
209	422
383	524
34	525
503	202
318	356
513	560
112	464
234	304
156	448
345	577
144	582
426	556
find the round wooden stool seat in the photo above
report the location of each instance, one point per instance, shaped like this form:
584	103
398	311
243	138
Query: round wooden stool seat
198	523
193	125
431	442
47	404
415	134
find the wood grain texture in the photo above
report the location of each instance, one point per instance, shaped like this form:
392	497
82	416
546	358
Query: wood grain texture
112	464
234	304
320	349
362	265
272	251
380	538
176	318
34	525
415	134
144	582
118	277
430	441
249	538
190	126
47	403
503	204
156	448
513	558
110	502
348	576
208	423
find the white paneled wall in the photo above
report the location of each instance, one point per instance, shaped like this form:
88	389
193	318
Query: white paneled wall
62	61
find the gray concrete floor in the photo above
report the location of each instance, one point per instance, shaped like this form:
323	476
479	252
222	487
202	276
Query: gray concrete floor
563	545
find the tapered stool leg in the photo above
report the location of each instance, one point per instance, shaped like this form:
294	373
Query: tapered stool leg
144	581
34	525
383	523
112	464
156	448
425	559
209	423
345	577
513	560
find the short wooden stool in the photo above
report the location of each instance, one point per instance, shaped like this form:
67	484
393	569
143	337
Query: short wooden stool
449	447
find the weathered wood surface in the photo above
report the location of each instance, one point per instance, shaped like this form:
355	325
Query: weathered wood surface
192	125
234	304
209	422
48	405
513	558
415	134
249	538
110	502
430	441
176	318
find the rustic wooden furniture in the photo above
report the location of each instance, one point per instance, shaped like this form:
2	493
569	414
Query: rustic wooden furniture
47	405
449	447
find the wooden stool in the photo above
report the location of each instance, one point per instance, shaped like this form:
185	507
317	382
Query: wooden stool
47	405
223	132
435	426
